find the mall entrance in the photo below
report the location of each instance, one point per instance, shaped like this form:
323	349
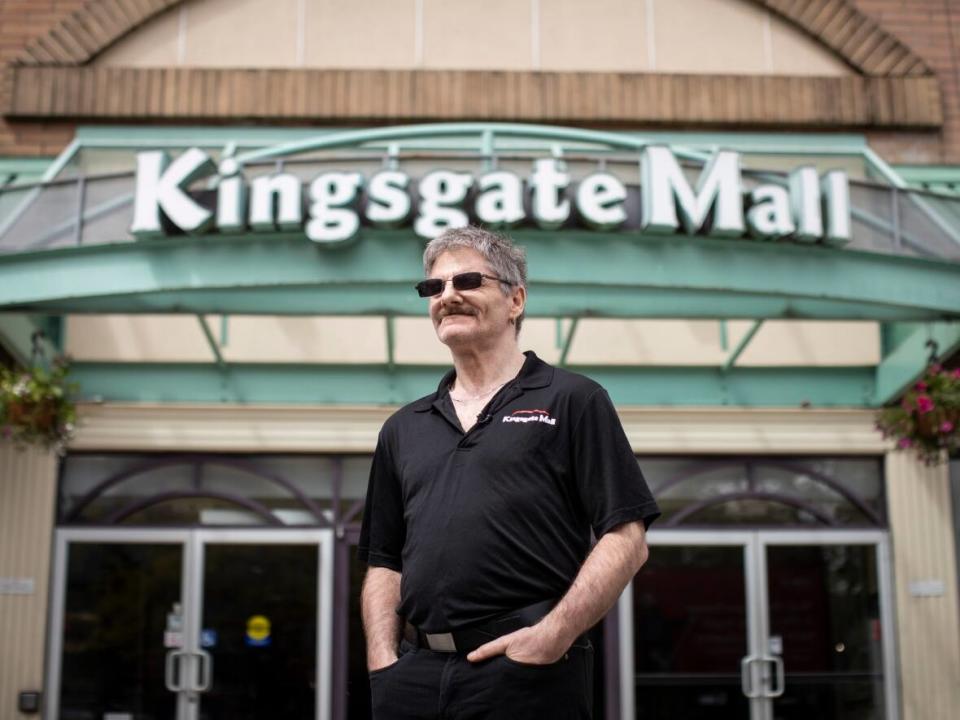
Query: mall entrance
151	624
762	625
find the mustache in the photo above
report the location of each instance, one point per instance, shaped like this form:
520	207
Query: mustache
456	311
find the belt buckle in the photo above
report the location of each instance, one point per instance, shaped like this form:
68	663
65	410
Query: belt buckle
441	642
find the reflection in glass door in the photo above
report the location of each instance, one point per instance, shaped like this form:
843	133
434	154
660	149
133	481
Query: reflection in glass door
762	625
191	625
258	638
824	626
690	631
118	601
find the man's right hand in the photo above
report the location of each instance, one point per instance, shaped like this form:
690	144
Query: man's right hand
380	662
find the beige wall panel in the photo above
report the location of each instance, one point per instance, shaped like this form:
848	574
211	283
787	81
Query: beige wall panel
303	340
706	36
155	44
794	53
810	343
697	342
603	35
477	34
368	34
647	342
27	503
928	629
136	338
242	33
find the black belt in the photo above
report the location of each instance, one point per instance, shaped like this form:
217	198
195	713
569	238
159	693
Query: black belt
470	638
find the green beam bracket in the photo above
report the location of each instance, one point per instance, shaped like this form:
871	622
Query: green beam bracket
742	345
265	383
391	342
212	342
16	335
568	341
906	363
724	340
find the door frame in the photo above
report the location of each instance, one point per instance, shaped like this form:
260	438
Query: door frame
754	544
193	541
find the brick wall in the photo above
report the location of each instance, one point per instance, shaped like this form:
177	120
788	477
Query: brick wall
20	21
930	27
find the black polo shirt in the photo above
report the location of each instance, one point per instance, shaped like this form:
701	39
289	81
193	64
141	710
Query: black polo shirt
487	521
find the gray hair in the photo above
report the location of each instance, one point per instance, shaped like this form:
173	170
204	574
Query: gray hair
508	261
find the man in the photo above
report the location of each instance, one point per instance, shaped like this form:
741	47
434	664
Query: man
479	509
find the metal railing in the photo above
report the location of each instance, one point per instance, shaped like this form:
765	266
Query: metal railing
97	210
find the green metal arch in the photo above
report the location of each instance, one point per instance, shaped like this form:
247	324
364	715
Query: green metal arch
487	132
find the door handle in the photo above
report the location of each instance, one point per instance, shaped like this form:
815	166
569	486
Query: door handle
746	675
778	673
171	668
205	661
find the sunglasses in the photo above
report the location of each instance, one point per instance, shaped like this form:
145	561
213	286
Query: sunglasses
463	281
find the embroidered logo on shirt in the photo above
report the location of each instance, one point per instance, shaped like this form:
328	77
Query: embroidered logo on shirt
529	416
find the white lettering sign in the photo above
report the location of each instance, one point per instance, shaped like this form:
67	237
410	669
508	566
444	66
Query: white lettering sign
333	207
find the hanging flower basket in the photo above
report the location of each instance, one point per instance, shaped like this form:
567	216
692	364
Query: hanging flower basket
927	420
37	406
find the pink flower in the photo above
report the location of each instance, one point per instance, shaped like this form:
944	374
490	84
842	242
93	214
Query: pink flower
956	373
946	426
935	368
921	386
924	404
904	443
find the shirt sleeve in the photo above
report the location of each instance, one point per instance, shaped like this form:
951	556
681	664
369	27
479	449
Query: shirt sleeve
609	482
383	531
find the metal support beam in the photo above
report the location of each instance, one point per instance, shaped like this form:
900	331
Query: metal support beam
742	345
289	383
568	341
597	274
391	342
906	362
212	342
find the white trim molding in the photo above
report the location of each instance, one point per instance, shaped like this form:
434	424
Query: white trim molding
234	428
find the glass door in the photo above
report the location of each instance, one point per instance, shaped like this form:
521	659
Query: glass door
827	624
258	642
772	625
117	613
191	625
691	623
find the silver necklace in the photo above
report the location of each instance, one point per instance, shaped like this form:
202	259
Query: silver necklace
481	395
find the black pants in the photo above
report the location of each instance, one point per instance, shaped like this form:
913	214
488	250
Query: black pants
427	685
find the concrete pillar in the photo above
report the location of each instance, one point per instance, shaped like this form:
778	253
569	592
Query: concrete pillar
925	577
28	481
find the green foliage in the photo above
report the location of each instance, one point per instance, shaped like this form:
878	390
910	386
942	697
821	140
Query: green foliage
927	419
37	406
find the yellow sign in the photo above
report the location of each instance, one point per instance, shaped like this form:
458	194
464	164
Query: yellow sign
258	630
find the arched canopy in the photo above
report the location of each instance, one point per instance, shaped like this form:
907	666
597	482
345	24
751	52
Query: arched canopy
900	271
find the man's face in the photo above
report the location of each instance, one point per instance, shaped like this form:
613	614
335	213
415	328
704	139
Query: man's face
471	318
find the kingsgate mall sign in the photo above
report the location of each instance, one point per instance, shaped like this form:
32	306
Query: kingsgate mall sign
333	206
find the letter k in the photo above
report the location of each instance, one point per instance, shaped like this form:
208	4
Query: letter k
160	187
